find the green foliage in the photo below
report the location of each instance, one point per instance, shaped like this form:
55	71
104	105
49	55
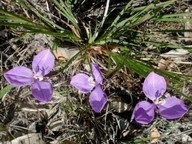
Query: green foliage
45	26
140	141
72	2
120	31
5	90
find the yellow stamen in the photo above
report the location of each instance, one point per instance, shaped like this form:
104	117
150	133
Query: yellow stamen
159	101
37	77
91	81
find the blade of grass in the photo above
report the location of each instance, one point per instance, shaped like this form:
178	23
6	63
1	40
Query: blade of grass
172	19
35	12
175	30
180	93
68	36
135	17
142	68
140	141
15	17
107	33
5	90
97	30
14	39
54	46
65	65
133	20
158	36
27	26
176	15
66	12
162	44
162	4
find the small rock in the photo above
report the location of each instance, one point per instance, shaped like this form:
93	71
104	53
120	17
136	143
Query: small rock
186	138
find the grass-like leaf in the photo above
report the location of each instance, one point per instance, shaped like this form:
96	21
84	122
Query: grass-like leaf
113	26
15	16
160	4
161	44
66	12
175	30
175	15
5	90
67	36
172	19
35	12
65	65
27	26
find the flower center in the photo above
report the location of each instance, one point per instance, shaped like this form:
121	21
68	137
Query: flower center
91	81
36	76
160	101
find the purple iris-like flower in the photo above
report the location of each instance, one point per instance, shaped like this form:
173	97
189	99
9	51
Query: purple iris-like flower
170	108
42	64
85	84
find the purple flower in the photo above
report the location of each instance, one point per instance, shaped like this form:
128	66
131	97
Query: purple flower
85	84
170	108
42	64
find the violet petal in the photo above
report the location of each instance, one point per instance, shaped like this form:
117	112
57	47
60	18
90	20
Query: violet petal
42	91
19	76
97	99
97	73
82	83
144	112
172	108
154	86
43	62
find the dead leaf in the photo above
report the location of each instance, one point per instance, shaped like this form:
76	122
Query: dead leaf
32	138
68	142
154	134
175	53
65	53
119	106
130	132
163	64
